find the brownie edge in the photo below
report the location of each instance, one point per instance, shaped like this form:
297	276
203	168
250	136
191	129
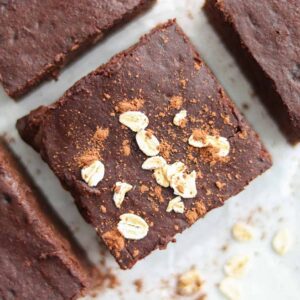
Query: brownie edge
264	37
39	258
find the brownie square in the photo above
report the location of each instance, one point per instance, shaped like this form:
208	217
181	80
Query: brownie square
39	258
153	117
37	38
264	36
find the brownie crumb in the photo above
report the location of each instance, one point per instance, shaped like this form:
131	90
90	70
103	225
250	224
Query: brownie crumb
191	216
111	279
138	285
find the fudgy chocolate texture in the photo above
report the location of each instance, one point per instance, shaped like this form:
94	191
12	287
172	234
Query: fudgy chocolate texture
38	257
264	36
158	76
37	38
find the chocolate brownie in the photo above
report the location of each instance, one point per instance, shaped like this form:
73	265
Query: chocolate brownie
264	36
147	144
38	257
37	38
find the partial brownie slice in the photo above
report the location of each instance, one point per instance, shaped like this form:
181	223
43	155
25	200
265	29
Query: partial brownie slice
265	38
38	257
115	118
37	38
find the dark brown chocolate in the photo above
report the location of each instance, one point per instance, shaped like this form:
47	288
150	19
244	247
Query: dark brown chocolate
37	38
38	257
264	36
159	76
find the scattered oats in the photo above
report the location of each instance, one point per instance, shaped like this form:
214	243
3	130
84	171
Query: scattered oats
189	283
180	118
93	173
132	227
153	163
175	168
135	120
147	142
164	175
237	266
184	184
160	176
242	232
219	143
230	289
120	190
282	241
176	205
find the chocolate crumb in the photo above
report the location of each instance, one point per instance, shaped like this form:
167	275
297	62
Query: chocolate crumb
138	285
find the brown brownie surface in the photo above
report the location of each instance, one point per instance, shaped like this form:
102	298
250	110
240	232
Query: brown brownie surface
265	38
38	37
38	257
159	76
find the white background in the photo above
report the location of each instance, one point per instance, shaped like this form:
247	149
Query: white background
271	202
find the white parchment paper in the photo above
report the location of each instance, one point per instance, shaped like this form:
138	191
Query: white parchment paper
271	202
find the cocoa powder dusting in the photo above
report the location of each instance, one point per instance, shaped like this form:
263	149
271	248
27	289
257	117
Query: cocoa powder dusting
200	209
176	102
158	194
96	145
199	135
126	147
114	240
165	149
100	134
191	216
144	188
88	156
129	105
